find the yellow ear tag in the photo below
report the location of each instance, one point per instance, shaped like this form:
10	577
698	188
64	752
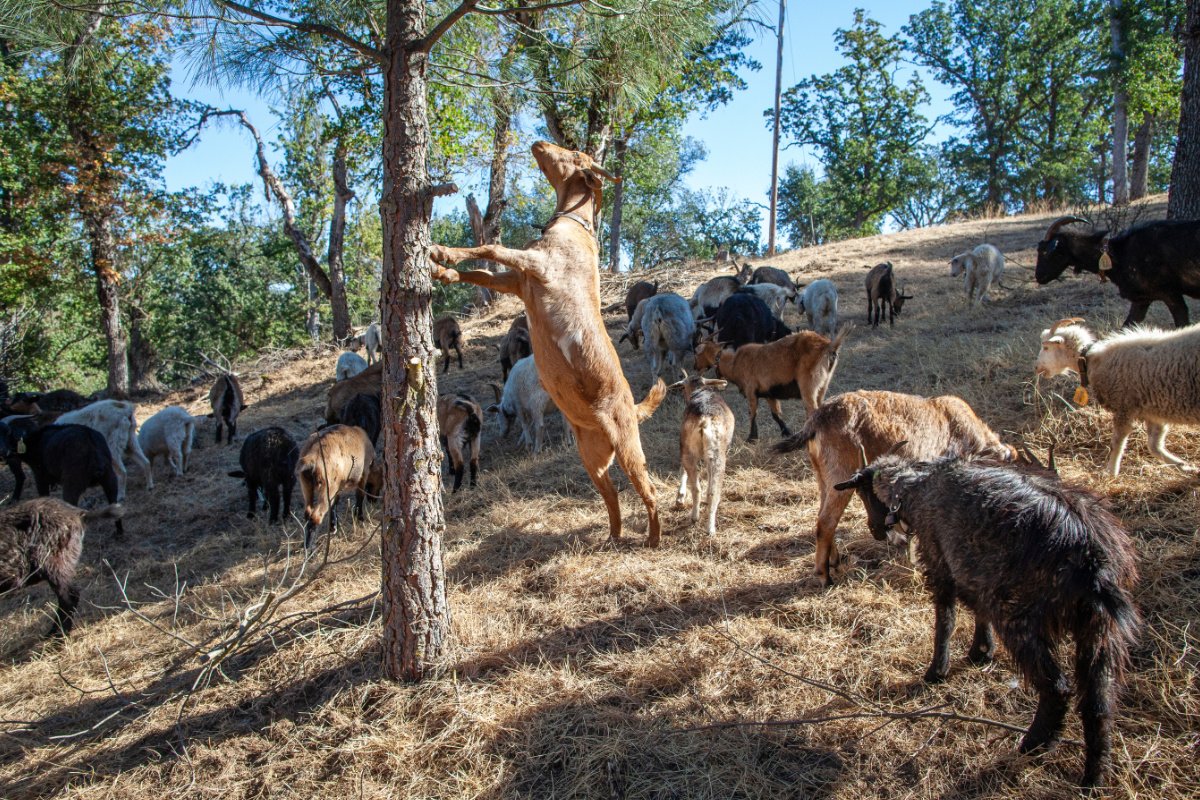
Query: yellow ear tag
1105	262
21	447
1081	396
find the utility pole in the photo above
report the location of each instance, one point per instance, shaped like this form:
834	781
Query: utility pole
775	134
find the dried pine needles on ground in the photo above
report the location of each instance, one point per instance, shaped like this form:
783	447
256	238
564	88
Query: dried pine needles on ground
210	660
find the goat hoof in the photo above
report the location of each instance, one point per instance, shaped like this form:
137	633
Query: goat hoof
1040	743
933	676
980	657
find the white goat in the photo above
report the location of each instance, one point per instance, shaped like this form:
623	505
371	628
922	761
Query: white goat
117	422
348	365
666	323
525	400
703	440
819	302
169	434
980	268
1136	374
775	296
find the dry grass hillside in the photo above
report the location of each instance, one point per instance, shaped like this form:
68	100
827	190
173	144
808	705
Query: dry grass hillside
708	668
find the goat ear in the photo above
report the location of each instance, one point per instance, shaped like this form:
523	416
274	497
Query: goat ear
716	383
494	408
855	481
676	385
593	180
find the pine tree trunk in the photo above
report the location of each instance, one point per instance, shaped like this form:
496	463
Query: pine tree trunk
618	201
1120	121
416	617
97	219
1184	198
339	306
498	175
143	359
1139	173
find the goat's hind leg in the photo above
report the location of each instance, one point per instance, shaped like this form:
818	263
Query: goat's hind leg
596	452
1156	434
1035	661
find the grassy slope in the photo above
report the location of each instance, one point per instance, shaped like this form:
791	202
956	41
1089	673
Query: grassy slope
576	666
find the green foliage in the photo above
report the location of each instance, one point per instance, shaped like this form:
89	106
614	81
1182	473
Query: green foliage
1029	89
865	128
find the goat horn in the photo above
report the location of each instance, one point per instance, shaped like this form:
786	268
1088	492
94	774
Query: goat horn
1061	221
862	454
603	173
1068	321
1050	457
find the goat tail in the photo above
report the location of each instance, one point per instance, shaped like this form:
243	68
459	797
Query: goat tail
838	339
796	441
654	398
113	511
1106	632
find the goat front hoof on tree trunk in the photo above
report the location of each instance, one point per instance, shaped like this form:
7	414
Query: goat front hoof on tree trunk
442	255
442	274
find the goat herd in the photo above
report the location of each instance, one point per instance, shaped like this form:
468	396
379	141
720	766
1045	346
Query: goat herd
1035	558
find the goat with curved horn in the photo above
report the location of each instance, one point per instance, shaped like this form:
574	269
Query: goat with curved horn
1064	322
1060	222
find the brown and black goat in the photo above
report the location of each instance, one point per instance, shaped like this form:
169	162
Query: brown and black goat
447	334
882	291
460	420
334	462
872	423
798	366
225	398
515	344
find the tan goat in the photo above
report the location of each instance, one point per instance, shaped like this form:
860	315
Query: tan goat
333	462
798	366
369	382
841	431
558	279
460	420
703	440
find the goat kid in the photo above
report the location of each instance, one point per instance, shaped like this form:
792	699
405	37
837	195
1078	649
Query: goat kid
704	440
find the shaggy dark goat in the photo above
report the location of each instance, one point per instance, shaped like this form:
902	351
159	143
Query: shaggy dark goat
363	411
745	318
1151	262
268	461
73	456
1035	558
41	540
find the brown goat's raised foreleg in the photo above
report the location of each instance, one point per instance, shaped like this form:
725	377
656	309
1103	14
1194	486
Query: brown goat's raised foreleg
505	282
520	260
596	452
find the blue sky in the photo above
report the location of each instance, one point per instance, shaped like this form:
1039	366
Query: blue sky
737	139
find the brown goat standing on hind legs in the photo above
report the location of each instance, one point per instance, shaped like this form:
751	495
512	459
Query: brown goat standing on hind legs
558	279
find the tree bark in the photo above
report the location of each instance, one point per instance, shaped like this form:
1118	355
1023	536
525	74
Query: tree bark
620	147
97	219
498	174
339	306
1184	198
1139	174
1120	120
416	617
143	359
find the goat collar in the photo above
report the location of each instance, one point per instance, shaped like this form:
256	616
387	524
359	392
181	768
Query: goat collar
587	226
1082	364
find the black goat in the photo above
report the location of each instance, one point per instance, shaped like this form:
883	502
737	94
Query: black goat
743	318
73	456
363	410
1154	261
59	401
1034	557
268	460
227	402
